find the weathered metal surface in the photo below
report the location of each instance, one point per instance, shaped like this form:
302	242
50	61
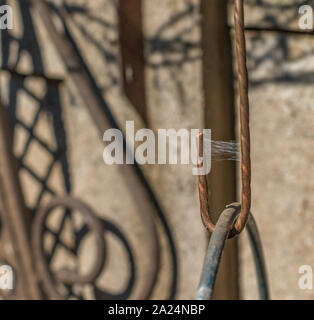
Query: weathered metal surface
219	116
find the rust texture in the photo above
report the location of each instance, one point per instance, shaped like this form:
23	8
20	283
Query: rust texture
131	174
203	188
242	76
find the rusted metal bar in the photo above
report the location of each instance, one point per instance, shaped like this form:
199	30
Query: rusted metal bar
103	121
242	76
203	187
15	212
131	49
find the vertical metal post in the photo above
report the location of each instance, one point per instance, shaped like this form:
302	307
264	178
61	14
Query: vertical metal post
219	116
131	47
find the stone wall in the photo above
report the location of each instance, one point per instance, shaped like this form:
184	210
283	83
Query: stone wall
281	75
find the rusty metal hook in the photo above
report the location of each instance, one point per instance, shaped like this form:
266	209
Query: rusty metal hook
242	75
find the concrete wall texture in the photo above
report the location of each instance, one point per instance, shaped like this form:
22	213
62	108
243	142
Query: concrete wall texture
281	73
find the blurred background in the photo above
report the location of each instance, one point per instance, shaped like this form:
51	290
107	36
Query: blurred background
72	68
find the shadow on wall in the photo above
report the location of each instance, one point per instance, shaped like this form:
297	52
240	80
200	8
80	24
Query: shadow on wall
277	52
162	52
49	104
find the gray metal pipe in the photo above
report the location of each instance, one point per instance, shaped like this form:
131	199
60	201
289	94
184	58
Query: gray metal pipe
215	250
